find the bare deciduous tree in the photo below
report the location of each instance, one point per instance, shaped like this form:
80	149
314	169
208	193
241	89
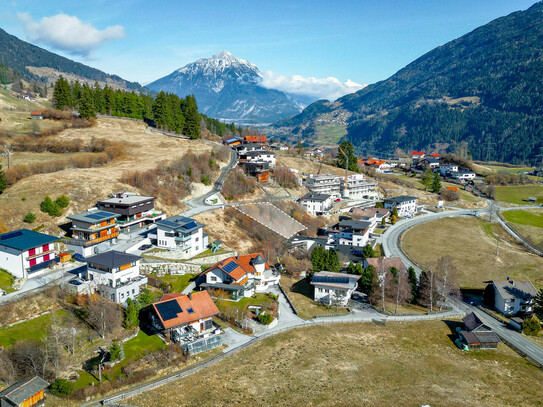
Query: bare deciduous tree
103	315
447	272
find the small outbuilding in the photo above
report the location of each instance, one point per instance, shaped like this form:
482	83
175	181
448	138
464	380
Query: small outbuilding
477	335
26	393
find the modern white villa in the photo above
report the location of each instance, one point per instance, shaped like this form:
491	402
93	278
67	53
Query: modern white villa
316	204
183	234
405	205
334	288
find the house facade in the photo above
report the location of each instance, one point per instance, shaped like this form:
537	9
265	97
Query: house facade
405	205
447	170
239	276
513	297
134	210
187	320
357	187
316	204
324	184
116	275
90	229
258	156
258	169
26	254
182	234
463	176
351	232
375	215
476	335
334	288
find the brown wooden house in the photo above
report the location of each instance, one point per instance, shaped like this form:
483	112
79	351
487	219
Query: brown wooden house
26	393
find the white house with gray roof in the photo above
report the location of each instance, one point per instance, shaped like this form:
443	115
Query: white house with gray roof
316	204
513	297
183	234
116	275
405	205
334	288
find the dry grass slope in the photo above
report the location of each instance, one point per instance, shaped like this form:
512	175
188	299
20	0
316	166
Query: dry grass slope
472	245
358	364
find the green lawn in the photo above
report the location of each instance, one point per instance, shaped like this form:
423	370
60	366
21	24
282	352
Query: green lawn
6	281
235	308
33	329
530	218
519	194
178	282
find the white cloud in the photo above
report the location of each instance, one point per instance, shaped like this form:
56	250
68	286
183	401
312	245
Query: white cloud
68	33
323	88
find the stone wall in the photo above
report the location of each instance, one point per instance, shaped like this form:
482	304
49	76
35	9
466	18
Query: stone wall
162	269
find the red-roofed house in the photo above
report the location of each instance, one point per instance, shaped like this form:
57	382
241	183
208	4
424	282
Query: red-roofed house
260	139
240	276
434	155
418	154
379	165
187	320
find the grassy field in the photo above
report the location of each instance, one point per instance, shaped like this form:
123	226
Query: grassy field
359	364
528	217
178	283
301	296
236	308
519	194
472	244
6	281
33	329
330	134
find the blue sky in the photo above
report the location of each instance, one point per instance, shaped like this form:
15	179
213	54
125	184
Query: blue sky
363	41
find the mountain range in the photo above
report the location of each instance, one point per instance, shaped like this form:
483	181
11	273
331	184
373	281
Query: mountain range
33	63
481	93
229	89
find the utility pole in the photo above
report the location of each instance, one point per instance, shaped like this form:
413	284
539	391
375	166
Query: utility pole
497	244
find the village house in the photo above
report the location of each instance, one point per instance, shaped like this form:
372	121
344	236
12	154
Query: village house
258	169
378	165
462	176
279	146
187	321
260	139
375	215
316	204
316	152
27	254
36	115
405	205
350	232
134	211
477	335
357	187
258	156
324	184
182	234
418	155
92	229
231	141
239	276
116	275
334	288
29	392
447	170
513	297
245	148
429	162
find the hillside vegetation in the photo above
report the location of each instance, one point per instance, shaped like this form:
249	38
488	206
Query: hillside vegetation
480	94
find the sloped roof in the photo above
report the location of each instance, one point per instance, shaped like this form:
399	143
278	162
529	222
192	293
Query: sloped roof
237	267
24	389
369	212
93	216
476	337
388	262
315	197
401	199
515	289
183	309
335	280
472	322
24	239
112	259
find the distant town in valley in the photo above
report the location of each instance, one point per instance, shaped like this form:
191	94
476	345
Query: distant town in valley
158	241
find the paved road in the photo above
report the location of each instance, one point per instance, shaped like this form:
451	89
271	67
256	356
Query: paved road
198	205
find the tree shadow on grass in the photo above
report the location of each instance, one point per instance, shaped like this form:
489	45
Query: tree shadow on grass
452	325
303	287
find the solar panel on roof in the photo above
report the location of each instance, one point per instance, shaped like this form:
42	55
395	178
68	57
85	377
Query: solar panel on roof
190	225
94	216
169	309
190	310
11	235
335	280
230	267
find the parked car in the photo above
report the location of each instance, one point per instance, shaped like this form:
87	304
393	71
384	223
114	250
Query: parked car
338	200
145	246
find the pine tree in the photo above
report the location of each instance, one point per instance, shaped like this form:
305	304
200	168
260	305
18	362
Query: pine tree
131	314
86	106
413	281
348	149
366	281
160	111
62	98
332	261
427	178
318	258
191	128
436	183
538	306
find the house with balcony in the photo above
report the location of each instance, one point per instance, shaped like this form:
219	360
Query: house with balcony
258	156
349	232
405	205
462	176
92	231
512	297
316	204
239	276
116	275
188	321
324	184
134	211
27	254
375	215
248	147
182	234
357	187
334	288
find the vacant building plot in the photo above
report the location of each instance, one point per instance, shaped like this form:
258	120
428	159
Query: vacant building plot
401	364
273	218
472	244
528	223
519	194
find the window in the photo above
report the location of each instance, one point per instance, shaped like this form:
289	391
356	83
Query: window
197	247
133	291
122	296
196	239
213	278
112	297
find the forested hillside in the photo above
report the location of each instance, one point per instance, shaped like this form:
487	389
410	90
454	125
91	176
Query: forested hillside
166	111
19	55
483	89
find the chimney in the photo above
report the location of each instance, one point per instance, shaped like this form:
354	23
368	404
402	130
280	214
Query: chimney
190	296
